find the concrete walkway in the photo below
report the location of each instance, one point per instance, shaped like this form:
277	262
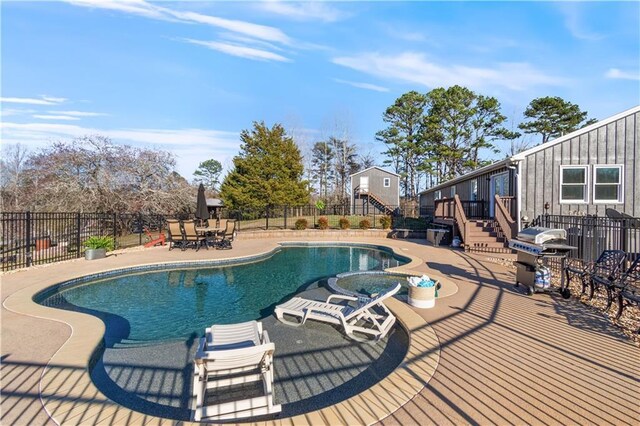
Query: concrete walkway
505	358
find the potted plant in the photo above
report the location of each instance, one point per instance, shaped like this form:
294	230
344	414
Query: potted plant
422	291
96	247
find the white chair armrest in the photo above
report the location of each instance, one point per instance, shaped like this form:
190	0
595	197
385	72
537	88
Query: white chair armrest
340	296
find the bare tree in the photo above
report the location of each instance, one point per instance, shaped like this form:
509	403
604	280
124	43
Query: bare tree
12	175
92	174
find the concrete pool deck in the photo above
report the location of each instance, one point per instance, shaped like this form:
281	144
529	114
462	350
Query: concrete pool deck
503	357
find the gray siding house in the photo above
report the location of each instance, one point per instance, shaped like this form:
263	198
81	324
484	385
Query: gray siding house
374	190
585	172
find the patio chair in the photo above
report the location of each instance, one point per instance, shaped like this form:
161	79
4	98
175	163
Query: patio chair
628	288
153	241
176	235
607	266
191	235
229	356
226	237
369	316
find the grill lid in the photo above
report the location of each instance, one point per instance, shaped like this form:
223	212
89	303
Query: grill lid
539	235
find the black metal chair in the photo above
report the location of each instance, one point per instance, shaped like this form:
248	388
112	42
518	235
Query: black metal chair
176	234
607	266
628	288
228	236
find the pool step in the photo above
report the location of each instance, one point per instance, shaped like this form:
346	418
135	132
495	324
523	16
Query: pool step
133	343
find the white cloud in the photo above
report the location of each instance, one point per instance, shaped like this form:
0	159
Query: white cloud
256	37
136	7
43	100
261	32
623	75
190	145
304	11
574	21
54	117
362	85
416	68
79	113
6	112
239	50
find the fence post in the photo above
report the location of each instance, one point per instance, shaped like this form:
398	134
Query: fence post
28	239
78	234
114	227
285	217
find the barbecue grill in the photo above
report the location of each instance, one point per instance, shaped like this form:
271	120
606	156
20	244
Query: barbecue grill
535	247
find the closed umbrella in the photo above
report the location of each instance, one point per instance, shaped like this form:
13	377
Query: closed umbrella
202	212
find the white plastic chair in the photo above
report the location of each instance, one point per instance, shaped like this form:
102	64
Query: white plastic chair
369	316
231	355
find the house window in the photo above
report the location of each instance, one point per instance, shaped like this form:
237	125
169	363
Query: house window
607	184
573	184
387	182
453	190
474	190
437	195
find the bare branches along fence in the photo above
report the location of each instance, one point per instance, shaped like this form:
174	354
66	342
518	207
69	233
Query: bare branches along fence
33	238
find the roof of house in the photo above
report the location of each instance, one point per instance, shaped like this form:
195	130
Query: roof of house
374	167
214	202
522	155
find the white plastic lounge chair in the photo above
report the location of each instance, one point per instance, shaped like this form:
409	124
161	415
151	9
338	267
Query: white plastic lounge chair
231	355
369	316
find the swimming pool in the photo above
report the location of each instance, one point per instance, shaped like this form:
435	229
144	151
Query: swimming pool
154	317
175	303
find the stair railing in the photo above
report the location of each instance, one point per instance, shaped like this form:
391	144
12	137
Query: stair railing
504	219
461	220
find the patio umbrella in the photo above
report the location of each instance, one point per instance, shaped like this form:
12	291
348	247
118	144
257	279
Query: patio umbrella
202	212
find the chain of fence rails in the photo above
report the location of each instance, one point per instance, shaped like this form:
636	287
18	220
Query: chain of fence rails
34	238
591	234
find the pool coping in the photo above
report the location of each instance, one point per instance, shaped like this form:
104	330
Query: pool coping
72	398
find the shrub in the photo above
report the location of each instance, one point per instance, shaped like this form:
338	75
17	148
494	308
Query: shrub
344	223
301	224
365	224
99	242
323	222
385	221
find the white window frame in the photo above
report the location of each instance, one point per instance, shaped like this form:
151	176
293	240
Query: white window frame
620	199
386	182
585	200
437	195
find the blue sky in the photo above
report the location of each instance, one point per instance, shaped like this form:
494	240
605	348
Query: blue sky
187	77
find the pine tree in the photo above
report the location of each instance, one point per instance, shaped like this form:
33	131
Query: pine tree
553	117
267	172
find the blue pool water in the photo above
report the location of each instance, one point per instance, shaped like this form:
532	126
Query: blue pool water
176	304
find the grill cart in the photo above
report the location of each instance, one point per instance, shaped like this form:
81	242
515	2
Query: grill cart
535	246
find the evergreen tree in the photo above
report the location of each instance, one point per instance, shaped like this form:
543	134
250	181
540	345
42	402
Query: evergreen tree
405	138
345	164
267	172
459	123
208	172
322	156
553	117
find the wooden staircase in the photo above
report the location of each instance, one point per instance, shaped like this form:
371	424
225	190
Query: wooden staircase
377	202
485	236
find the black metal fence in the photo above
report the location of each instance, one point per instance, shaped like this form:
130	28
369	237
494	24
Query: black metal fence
28	238
313	217
591	235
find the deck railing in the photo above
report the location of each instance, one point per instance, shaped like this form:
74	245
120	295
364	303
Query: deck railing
507	225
